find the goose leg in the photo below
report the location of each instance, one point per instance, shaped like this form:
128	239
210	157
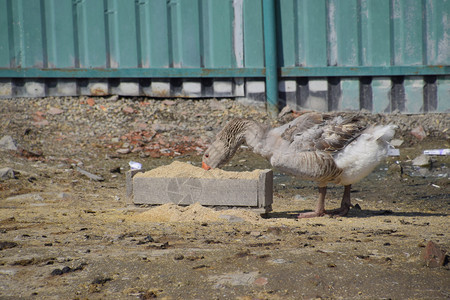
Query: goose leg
320	208
345	203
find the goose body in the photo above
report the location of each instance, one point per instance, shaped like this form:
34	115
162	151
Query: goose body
314	146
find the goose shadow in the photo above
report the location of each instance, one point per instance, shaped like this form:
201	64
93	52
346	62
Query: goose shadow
357	213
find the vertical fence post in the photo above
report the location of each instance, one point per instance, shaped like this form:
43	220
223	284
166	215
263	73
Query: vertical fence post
270	56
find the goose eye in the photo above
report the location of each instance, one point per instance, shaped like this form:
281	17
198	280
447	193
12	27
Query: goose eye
206	155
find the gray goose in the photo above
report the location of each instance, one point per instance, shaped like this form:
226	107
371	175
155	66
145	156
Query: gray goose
314	146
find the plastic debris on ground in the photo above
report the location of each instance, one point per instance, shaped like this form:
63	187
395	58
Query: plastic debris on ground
437	152
135	165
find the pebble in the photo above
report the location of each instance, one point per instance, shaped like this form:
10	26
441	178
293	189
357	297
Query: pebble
6	173
67	269
101	280
90	101
279	261
90	175
56	272
55	111
115	170
261	281
128	110
255	233
433	255
7	245
8	143
123	151
168	102
419	132
396	142
64	195
421	160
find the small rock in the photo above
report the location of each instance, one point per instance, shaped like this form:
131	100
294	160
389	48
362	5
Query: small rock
113	98
128	110
90	175
123	151
147	239
41	123
115	170
7	245
255	233
39	116
6	173
7	143
159	128
57	272
396	142
433	255
64	195
261	281
101	280
55	111
279	261
419	133
168	102
421	160
65	270
90	101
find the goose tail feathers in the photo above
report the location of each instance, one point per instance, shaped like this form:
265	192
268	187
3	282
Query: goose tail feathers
383	133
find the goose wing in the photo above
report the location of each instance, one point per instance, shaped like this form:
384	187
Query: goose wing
322	132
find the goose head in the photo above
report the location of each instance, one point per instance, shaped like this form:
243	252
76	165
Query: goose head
217	154
226	144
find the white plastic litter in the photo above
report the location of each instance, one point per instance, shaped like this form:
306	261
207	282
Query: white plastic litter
437	152
393	152
135	165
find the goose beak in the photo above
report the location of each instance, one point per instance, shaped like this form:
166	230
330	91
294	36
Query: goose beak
205	166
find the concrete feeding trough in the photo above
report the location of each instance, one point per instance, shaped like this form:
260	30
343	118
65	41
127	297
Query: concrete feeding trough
184	184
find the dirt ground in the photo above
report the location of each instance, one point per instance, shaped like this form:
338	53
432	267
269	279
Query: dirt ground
66	236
